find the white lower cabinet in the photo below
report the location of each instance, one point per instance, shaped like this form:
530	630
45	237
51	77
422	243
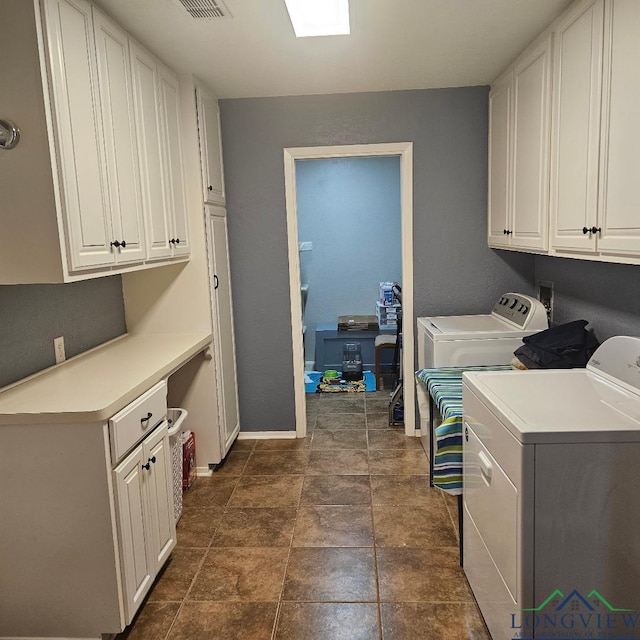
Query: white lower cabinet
79	558
87	502
133	524
145	515
143	492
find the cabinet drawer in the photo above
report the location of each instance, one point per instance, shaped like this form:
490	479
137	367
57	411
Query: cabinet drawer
137	419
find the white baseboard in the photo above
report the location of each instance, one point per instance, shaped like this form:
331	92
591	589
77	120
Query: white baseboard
203	471
266	435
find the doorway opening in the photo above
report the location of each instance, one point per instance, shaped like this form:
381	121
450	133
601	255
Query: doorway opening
402	151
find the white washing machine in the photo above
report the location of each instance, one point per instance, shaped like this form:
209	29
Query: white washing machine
461	341
474	340
551	500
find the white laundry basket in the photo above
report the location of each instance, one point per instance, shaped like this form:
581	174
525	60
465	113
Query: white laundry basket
175	418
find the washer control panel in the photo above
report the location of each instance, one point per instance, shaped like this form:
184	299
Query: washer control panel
522	311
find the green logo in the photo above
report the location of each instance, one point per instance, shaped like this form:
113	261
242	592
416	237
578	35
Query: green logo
575	594
576	617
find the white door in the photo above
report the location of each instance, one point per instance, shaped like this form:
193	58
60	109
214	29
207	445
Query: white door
172	150
576	129
223	333
620	213
210	148
79	133
137	573
148	123
500	161
531	121
162	528
116	99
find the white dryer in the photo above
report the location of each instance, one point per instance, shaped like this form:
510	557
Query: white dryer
474	340
551	507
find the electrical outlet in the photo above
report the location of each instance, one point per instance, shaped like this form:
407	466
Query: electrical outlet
58	347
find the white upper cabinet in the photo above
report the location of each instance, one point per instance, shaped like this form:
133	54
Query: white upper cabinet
210	147
500	133
151	145
531	126
576	127
91	189
116	99
78	117
519	117
619	164
582	203
171	141
158	124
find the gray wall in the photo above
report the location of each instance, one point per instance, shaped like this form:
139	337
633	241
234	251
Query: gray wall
350	209
604	294
454	270
86	313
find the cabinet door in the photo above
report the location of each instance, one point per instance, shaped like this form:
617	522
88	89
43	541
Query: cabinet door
150	141
531	121
158	478
79	133
224	339
116	99
137	572
620	211
499	161
576	129
172	151
210	147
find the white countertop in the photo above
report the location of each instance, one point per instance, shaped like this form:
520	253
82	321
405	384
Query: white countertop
95	385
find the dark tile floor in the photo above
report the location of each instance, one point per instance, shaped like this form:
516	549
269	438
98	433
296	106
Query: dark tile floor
333	537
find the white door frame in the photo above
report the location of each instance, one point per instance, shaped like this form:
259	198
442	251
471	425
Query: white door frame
405	151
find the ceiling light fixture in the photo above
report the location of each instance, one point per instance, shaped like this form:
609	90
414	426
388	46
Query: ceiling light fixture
319	17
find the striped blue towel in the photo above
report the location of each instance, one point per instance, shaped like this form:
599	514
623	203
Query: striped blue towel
445	387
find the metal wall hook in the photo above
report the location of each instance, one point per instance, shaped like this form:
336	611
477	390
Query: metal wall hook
9	134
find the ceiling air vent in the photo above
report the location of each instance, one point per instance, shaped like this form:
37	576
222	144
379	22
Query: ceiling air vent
205	9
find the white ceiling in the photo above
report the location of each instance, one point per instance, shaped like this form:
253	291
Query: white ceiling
394	44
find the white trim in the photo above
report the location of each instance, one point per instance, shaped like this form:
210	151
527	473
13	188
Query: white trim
267	435
202	472
405	151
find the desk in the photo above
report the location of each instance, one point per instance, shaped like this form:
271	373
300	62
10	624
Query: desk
66	550
330	343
